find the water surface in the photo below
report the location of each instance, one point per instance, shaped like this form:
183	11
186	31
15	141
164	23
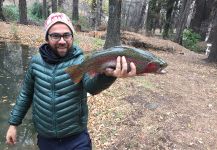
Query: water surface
14	59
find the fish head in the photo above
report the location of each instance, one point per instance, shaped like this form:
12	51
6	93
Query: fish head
154	64
145	61
154	67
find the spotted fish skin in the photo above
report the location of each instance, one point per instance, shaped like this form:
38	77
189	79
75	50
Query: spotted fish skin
97	62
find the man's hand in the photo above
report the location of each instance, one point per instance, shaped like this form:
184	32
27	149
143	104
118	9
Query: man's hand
121	69
11	135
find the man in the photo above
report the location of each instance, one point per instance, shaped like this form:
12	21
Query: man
59	106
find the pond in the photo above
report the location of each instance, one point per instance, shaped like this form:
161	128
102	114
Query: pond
14	59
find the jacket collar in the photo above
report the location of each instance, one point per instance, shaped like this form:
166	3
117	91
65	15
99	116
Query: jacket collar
50	57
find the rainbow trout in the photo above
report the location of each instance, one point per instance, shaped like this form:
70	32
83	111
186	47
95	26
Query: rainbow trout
97	62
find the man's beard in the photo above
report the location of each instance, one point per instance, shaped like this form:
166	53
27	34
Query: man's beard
64	46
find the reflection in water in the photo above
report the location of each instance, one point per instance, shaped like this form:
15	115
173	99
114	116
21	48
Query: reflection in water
14	60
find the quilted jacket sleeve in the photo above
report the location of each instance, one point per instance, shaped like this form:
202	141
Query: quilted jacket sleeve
98	83
24	99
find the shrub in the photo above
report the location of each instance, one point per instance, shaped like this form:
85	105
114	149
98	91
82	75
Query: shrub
14	31
190	40
11	12
36	10
98	43
35	15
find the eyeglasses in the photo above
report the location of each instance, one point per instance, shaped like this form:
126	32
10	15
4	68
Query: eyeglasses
56	36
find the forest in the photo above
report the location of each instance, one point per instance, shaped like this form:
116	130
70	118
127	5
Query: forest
173	110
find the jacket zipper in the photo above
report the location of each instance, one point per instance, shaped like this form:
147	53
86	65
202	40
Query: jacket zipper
81	110
53	100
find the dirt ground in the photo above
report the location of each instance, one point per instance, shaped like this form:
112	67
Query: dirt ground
176	110
171	111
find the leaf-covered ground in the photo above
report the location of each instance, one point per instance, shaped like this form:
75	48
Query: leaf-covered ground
176	110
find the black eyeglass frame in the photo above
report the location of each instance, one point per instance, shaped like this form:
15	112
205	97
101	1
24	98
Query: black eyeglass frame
57	36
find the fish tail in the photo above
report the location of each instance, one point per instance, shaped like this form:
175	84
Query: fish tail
75	73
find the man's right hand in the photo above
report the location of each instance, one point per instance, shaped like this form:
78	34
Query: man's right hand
11	135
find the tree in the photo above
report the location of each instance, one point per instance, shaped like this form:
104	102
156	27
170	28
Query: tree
157	16
75	15
54	5
169	10
1	12
98	13
44	11
198	16
213	53
127	12
211	35
186	4
60	4
133	14
208	17
201	20
114	24
23	12
140	21
213	38
93	12
151	16
174	17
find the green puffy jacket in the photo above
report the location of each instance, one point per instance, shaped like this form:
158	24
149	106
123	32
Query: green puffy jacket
59	107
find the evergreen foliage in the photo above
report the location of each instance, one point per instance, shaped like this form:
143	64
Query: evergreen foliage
190	40
36	10
11	12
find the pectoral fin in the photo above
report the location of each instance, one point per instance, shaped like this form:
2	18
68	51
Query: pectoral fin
75	73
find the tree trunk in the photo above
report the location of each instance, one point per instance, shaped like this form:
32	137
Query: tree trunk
208	17
157	16
60	4
98	13
151	16
167	25
174	17
212	22
213	38
44	11
23	12
54	6
140	20
128	15
123	15
135	12
1	11
114	24
213	52
93	13
75	15
201	20
198	15
182	20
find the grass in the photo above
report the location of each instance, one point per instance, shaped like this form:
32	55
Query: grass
98	43
14	31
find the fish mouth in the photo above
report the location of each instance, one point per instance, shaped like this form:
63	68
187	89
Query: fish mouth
161	71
